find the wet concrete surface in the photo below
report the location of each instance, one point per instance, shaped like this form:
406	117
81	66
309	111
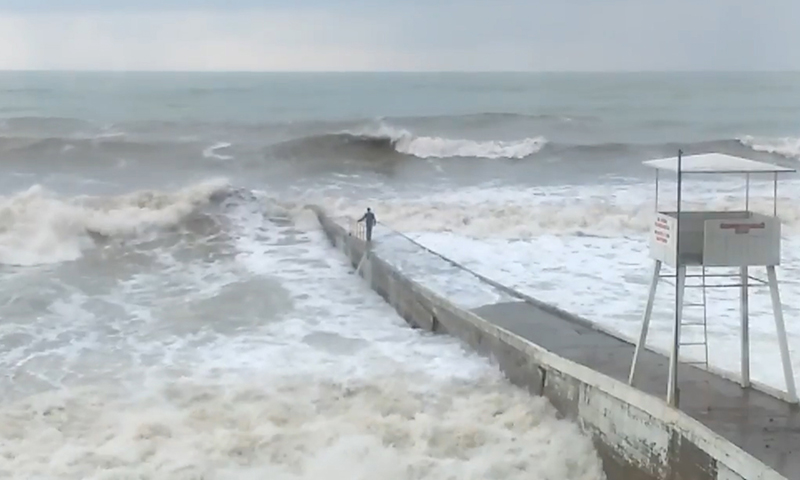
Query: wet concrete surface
764	426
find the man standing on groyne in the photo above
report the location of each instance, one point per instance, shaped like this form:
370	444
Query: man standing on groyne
370	221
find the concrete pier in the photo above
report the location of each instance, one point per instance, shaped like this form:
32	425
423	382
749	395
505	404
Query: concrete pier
760	424
722	432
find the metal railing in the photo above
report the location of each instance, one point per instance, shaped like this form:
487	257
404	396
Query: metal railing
358	229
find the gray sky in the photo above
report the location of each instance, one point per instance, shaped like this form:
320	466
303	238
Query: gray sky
400	35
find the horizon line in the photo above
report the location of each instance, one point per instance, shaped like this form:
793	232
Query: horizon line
628	71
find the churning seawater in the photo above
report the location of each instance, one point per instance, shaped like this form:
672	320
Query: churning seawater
169	308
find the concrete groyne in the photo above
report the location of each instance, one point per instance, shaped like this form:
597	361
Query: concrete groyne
638	436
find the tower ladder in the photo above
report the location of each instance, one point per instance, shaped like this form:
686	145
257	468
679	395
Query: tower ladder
693	323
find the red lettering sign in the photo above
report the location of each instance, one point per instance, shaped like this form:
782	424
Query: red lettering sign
661	231
740	228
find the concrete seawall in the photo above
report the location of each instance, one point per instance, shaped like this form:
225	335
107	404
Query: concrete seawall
636	434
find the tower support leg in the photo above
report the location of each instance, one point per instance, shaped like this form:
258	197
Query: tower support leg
648	311
745	326
777	309
672	386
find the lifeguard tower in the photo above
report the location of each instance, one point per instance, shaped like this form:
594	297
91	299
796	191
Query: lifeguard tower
708	239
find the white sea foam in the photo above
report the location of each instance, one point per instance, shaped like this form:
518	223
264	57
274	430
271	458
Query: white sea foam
787	146
38	227
275	362
506	212
294	428
437	147
211	152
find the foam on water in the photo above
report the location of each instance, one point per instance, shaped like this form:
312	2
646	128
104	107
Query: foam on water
250	352
294	428
437	147
38	227
211	152
787	146
597	210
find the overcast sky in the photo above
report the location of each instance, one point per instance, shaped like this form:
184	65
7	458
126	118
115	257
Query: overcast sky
400	34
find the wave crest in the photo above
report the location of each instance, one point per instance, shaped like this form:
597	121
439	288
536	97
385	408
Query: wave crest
392	140
788	147
299	428
403	141
38	227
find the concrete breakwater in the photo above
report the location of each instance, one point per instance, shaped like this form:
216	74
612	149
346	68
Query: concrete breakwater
637	435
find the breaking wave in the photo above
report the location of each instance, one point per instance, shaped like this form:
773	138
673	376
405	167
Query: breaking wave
394	140
295	429
788	147
39	227
387	141
438	147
